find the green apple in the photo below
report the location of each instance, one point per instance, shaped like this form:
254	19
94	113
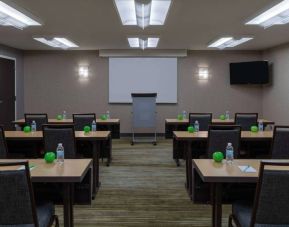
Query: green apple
86	129
180	117
27	129
254	128
218	156
59	117
191	129
103	117
49	157
222	117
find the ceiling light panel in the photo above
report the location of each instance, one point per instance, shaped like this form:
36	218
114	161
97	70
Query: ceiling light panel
227	42
143	43
62	43
134	42
277	15
133	12
220	42
153	42
127	11
159	11
10	16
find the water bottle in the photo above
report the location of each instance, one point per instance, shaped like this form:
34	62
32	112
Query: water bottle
184	114
227	115
60	154
93	126
261	126
107	114
229	154
33	126
64	114
197	126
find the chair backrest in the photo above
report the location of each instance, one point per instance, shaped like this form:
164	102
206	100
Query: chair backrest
280	142
3	145
53	134
17	205
271	203
81	120
204	119
39	118
246	120
220	135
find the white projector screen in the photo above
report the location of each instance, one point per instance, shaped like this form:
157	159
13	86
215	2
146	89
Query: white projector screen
142	75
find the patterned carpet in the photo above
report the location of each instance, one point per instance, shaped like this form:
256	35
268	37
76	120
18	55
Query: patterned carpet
143	187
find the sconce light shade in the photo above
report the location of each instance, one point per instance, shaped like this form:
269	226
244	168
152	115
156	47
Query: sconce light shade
203	73
83	71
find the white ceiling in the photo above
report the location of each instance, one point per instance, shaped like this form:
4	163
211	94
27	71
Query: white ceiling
191	24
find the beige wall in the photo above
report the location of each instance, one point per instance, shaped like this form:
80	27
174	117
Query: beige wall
276	97
52	85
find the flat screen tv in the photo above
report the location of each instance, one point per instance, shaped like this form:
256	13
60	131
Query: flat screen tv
255	72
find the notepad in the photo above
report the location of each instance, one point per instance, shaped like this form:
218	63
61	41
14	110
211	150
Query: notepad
247	169
31	167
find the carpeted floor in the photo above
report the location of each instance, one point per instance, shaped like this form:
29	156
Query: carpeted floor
143	187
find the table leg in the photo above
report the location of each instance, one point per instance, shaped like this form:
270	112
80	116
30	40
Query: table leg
95	156
190	168
68	204
109	152
189	176
217	205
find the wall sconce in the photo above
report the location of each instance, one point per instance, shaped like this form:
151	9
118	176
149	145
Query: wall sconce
83	72
203	73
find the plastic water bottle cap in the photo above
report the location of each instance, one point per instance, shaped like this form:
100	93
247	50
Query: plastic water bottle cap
196	122
60	144
229	144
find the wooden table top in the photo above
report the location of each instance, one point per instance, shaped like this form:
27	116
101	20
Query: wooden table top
70	121
73	170
214	121
211	171
185	135
79	135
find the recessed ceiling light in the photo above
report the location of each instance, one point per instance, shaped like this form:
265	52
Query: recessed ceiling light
143	43
226	42
11	17
133	12
57	42
278	14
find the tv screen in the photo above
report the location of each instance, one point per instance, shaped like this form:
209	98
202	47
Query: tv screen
255	72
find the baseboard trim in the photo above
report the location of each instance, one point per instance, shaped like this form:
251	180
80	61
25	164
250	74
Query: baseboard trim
142	134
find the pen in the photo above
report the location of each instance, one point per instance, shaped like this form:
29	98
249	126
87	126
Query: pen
246	168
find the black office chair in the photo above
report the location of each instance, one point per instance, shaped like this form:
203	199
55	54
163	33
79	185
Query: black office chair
39	118
271	204
53	134
280	144
246	120
204	119
17	205
81	120
3	144
220	135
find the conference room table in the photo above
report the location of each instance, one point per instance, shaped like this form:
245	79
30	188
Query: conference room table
94	137
218	174
112	124
71	172
188	138
173	124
